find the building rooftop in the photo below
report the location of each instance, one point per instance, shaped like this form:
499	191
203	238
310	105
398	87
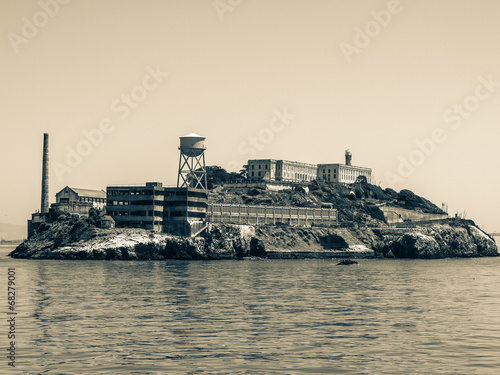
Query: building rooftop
192	135
89	193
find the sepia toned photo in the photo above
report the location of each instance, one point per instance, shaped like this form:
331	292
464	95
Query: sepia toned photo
249	187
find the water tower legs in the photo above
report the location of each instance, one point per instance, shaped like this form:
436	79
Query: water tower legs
192	171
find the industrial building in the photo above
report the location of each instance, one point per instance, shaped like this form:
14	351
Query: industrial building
180	210
69	200
157	208
76	200
272	170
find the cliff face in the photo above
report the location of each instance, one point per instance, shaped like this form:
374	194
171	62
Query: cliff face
459	238
74	238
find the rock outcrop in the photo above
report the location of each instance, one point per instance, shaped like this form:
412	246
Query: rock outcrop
415	245
458	238
76	238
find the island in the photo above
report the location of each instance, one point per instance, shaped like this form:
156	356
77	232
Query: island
372	223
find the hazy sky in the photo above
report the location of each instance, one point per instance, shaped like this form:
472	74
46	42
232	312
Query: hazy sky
412	88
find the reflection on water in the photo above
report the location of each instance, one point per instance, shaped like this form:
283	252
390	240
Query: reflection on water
258	317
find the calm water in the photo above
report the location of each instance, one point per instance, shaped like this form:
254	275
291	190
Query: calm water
255	317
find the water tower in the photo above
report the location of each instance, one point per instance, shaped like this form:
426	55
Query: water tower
192	172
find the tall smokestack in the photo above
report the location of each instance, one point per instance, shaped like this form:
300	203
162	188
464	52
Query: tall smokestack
45	175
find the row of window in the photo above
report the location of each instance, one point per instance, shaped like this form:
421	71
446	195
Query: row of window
169	193
158	203
344	174
292	168
334	170
161	214
130	192
329	177
265	166
96	200
298	176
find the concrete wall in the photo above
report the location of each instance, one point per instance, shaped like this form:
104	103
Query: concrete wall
273	186
81	208
251	214
397	215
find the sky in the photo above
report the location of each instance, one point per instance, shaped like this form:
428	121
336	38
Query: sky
411	87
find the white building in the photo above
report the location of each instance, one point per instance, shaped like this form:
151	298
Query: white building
280	170
292	171
345	174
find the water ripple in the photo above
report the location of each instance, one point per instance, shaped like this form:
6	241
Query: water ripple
268	317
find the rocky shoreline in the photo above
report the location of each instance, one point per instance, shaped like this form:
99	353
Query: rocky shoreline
75	238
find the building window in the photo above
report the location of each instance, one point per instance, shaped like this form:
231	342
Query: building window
259	173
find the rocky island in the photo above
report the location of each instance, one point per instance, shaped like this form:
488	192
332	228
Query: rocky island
363	230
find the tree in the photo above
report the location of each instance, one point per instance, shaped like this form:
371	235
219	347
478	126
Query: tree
217	176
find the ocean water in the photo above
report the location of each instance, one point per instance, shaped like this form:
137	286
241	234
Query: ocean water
253	317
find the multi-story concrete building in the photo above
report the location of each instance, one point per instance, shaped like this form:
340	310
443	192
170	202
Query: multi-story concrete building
295	172
280	170
157	208
136	206
345	174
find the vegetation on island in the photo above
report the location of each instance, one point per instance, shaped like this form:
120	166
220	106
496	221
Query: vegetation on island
358	203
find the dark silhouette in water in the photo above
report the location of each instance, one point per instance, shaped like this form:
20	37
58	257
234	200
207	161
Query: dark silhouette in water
346	262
